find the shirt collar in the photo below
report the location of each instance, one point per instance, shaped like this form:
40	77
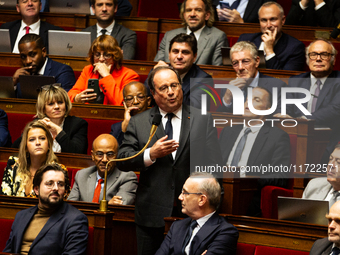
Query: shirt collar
255	81
177	113
42	70
197	33
201	221
314	79
33	26
109	28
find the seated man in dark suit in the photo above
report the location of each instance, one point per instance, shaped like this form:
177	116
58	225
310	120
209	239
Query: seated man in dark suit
204	231
5	137
197	15
53	226
30	23
326	188
323	13
331	244
282	51
105	11
35	62
256	145
323	83
135	101
89	182
244	11
245	61
182	55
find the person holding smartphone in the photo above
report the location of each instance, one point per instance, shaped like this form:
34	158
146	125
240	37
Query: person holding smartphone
106	66
238	11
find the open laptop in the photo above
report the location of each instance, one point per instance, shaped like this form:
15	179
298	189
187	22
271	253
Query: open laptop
30	85
303	210
5	42
6	87
69	6
66	43
226	60
8	4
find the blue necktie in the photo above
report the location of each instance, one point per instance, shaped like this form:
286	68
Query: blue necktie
335	251
235	4
191	228
168	125
239	148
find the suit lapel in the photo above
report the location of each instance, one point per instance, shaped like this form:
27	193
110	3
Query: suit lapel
55	217
111	179
115	30
24	223
260	140
249	9
91	184
93	33
202	41
48	67
281	45
160	130
326	88
207	229
185	129
13	33
230	141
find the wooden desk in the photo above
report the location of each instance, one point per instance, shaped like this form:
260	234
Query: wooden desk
274	233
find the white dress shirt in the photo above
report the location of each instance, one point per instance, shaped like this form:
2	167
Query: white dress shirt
196	33
108	29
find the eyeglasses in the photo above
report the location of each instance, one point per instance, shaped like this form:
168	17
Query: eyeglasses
105	55
130	99
323	55
244	62
165	88
188	193
50	86
51	184
109	155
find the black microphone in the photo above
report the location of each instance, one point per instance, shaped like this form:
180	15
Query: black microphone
336	31
155	123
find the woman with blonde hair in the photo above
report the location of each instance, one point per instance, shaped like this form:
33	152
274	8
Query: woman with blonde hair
106	66
35	151
69	133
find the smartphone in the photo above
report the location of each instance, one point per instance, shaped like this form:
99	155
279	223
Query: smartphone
93	84
224	5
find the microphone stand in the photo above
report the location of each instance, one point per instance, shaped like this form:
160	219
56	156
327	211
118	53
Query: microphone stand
103	207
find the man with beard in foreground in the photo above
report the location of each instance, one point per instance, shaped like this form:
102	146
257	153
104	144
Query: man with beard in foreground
53	226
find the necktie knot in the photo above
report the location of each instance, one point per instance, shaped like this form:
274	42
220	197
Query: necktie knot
100	181
247	131
170	115
318	82
193	224
27	29
103	31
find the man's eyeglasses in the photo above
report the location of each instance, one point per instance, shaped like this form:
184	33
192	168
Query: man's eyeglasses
50	86
105	55
165	88
323	55
51	184
109	155
188	193
244	62
130	99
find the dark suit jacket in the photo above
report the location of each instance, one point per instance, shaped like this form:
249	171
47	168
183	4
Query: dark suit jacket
125	37
5	137
271	147
192	89
266	82
208	46
321	247
73	137
217	236
63	74
116	131
65	232
161	183
327	110
251	12
327	16
14	27
289	52
118	184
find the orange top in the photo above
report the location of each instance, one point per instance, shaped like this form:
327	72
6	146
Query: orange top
111	85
